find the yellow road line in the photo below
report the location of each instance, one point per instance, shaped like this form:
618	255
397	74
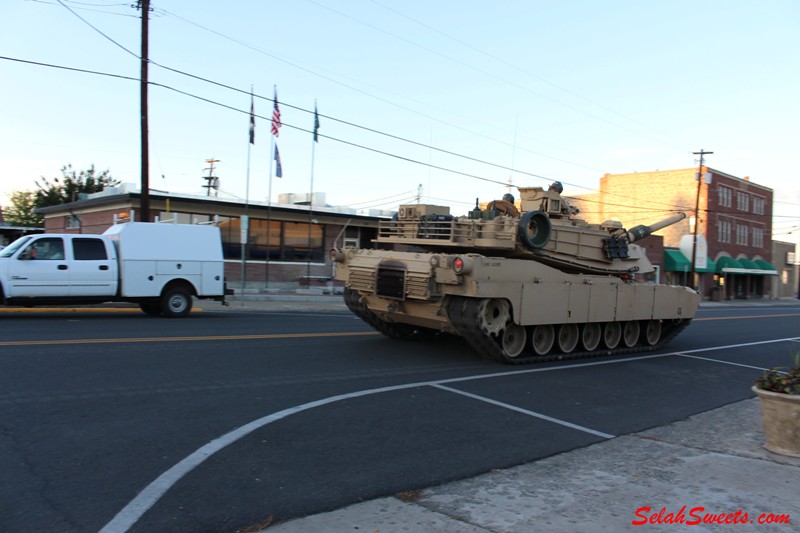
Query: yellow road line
188	339
73	309
745	317
268	336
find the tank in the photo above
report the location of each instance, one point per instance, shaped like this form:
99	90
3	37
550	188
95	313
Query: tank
519	284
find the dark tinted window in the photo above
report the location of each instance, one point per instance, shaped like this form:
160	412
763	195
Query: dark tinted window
89	249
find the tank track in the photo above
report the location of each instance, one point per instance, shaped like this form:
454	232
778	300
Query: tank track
464	316
394	330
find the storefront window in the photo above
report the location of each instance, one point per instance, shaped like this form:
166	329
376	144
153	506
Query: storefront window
280	241
302	242
276	240
265	239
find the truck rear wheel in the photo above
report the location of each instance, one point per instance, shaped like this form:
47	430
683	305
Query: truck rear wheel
176	302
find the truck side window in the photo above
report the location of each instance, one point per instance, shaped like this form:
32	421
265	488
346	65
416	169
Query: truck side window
49	249
89	249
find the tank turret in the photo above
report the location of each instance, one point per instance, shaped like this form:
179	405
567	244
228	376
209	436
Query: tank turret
521	282
546	229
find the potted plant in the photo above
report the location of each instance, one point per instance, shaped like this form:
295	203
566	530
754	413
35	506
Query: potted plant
779	395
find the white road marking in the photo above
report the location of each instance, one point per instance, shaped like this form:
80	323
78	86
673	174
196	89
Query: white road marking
146	499
722	361
527	412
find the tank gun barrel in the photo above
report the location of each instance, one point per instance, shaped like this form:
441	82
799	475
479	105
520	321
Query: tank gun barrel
640	232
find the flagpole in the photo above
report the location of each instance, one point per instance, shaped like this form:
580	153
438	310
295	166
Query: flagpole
269	208
244	223
275	127
311	196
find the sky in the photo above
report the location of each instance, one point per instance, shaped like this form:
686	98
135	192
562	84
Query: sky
450	100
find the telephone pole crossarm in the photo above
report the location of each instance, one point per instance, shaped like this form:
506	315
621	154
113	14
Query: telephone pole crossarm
701	153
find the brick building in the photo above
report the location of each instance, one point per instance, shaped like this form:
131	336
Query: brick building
735	224
287	246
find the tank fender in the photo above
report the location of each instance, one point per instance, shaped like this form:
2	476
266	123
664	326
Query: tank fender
535	229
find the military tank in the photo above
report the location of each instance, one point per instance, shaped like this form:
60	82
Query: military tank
521	285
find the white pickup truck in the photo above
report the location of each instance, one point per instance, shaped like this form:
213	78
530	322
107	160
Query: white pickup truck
158	266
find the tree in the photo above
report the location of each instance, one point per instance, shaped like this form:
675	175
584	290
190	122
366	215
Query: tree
21	210
71	184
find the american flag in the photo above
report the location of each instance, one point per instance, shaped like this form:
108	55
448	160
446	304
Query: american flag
276	116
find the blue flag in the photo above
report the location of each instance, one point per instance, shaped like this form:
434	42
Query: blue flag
278	169
252	121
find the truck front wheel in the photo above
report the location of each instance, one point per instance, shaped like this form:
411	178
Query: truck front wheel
176	302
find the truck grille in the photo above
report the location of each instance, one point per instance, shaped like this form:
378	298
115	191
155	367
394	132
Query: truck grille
391	282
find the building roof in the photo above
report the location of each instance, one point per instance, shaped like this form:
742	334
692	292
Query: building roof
111	197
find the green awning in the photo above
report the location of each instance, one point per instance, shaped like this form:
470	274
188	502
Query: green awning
766	266
759	267
746	263
675	261
730	265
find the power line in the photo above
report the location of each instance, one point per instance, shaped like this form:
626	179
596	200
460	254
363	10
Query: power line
731	215
448	152
481	71
291	126
200	78
96	29
366	93
520	69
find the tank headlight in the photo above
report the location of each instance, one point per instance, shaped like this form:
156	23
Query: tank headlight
337	256
435	260
462	265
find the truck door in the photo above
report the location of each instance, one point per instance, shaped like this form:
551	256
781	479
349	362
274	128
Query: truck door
40	270
94	273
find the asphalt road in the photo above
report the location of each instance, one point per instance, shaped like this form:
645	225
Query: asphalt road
227	420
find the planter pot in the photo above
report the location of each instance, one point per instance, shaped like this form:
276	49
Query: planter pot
780	415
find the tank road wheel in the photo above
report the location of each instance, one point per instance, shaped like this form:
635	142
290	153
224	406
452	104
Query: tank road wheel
568	337
652	332
542	339
630	333
612	333
591	335
493	313
514	339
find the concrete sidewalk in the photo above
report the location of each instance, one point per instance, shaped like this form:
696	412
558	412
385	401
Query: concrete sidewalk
713	460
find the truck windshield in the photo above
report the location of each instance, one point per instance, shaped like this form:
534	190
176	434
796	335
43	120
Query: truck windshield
9	250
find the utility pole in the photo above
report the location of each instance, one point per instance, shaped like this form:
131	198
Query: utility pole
701	153
144	6
212	182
